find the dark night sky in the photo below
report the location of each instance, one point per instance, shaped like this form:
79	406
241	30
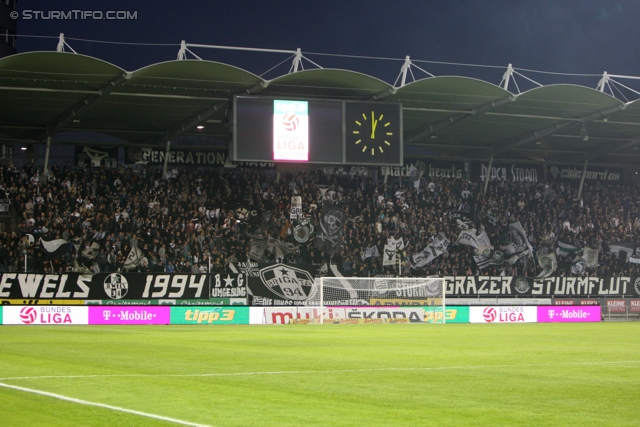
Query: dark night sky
572	36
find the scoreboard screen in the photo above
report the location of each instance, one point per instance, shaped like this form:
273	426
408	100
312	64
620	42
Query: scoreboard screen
316	131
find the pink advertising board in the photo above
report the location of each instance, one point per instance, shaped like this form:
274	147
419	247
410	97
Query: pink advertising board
129	315
568	314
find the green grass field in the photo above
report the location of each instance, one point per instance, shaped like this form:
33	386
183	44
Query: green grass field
322	375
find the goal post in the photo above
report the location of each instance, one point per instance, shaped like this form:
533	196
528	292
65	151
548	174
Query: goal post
379	300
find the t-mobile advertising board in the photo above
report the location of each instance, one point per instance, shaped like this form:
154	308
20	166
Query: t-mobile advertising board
501	314
45	315
569	314
131	315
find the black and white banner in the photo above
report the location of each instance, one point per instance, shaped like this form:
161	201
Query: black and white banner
279	284
332	222
229	285
116	286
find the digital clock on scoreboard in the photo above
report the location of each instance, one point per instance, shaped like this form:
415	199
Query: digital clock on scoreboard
316	131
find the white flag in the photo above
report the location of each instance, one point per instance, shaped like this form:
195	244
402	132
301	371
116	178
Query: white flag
389	256
53	245
134	258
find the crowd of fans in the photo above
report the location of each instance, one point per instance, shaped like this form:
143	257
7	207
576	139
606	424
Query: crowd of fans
186	221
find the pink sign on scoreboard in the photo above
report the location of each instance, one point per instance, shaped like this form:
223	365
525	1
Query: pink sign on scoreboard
574	313
129	315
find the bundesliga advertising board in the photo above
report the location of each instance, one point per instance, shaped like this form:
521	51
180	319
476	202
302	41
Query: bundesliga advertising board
114	286
45	315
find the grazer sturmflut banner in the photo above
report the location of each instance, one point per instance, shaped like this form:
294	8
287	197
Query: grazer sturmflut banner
526	287
114	286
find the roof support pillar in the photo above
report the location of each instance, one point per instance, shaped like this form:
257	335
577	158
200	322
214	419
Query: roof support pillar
405	70
486	179
584	172
45	177
297	60
166	159
603	82
507	76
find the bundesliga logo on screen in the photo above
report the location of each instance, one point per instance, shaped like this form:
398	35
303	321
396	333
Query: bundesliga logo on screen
290	122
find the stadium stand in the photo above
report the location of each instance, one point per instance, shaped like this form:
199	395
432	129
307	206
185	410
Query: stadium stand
186	221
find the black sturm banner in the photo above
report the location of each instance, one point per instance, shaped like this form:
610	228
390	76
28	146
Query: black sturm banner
511	286
115	286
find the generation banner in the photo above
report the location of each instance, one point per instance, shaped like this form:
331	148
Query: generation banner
178	156
129	315
209	315
527	287
500	314
45	315
114	286
569	314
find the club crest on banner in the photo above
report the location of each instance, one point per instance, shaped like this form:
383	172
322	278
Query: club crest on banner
522	285
116	286
288	282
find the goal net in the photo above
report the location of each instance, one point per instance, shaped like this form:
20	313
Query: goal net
375	300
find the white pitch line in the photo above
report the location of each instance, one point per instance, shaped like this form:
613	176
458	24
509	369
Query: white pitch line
102	405
328	371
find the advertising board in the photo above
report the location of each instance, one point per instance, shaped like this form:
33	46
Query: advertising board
616	306
45	315
634	305
501	314
287	315
569	314
209	315
134	315
5	301
453	314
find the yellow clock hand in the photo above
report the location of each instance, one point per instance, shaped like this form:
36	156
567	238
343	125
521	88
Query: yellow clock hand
374	123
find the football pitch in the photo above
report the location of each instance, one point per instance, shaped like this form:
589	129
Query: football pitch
321	375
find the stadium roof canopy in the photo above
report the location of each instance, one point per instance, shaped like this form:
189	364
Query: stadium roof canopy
83	100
